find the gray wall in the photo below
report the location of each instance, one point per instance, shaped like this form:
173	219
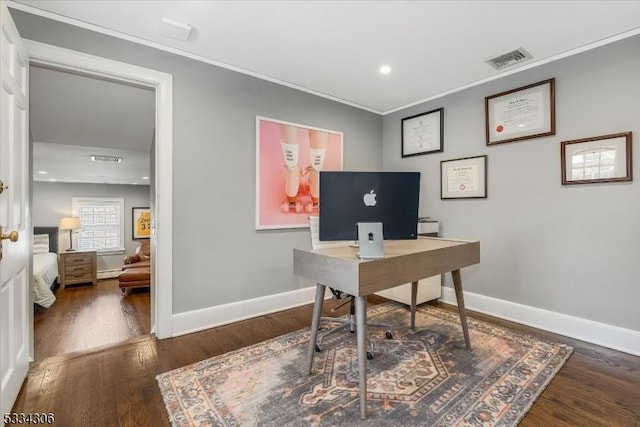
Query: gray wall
569	249
52	201
218	255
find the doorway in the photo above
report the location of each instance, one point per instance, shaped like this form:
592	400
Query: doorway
161	199
91	156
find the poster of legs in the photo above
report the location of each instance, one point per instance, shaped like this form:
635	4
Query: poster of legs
289	158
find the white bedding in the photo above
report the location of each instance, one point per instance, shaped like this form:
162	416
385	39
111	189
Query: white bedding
45	271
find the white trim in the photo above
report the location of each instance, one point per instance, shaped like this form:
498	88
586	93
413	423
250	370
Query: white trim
35	11
162	273
614	337
102	30
528	66
198	320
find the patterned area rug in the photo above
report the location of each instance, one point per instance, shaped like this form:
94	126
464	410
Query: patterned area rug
424	377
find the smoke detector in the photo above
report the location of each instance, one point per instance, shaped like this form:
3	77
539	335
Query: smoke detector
511	58
175	29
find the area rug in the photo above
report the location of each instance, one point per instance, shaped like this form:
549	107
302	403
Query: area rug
421	377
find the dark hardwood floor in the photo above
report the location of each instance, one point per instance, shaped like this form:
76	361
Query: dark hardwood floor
117	386
86	316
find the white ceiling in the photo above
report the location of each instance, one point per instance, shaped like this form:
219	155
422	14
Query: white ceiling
334	48
74	116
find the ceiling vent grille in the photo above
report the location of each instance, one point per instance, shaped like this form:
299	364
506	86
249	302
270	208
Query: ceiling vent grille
505	60
100	158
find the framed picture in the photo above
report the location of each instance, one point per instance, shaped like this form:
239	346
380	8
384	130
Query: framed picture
523	113
464	178
598	159
141	223
289	158
423	133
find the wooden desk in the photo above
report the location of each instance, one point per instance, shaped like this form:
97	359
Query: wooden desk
404	261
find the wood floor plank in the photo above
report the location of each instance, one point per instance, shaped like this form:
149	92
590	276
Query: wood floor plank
85	316
116	385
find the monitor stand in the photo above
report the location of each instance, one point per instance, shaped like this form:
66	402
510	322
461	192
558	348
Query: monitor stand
370	240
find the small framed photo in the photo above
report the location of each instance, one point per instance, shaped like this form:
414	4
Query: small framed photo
141	223
598	159
523	113
464	178
423	133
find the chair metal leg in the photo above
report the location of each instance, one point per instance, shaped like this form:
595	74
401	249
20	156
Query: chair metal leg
351	323
345	324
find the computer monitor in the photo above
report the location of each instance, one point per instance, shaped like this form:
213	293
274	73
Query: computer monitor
347	198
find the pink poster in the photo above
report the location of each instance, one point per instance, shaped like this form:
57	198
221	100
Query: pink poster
289	158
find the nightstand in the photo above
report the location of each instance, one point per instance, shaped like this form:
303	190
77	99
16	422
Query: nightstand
78	267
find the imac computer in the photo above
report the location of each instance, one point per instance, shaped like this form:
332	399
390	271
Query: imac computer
347	198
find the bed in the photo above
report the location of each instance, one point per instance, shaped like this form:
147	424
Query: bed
45	265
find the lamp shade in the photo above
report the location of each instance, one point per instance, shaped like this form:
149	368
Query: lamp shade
70	223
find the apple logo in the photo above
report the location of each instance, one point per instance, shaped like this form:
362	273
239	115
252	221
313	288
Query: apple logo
370	199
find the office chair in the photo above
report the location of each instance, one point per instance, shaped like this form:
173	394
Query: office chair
350	322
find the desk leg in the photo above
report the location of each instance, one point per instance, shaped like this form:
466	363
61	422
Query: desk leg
414	299
315	324
361	331
457	284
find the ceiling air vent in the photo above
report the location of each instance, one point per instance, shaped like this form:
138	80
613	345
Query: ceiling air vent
514	57
99	158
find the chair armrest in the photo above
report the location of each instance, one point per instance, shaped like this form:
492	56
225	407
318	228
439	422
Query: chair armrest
132	258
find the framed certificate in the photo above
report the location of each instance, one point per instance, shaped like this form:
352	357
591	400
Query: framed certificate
422	133
522	113
464	178
597	159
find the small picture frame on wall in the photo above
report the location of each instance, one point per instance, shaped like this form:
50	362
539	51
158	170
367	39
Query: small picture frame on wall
598	159
464	178
423	133
523	113
141	223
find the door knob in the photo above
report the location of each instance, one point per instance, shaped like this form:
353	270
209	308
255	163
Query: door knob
13	236
2	187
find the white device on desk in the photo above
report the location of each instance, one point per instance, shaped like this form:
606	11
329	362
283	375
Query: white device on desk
428	227
370	240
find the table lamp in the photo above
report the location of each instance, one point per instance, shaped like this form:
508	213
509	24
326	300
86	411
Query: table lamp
70	223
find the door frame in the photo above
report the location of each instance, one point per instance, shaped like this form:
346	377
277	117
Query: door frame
162	261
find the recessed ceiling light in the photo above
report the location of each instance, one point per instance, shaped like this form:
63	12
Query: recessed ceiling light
145	177
42	172
385	69
52	179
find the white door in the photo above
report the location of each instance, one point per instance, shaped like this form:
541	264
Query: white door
15	334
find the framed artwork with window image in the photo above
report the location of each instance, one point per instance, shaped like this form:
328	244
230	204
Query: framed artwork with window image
605	158
141	223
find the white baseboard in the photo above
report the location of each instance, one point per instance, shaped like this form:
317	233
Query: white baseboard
109	274
614	337
197	320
